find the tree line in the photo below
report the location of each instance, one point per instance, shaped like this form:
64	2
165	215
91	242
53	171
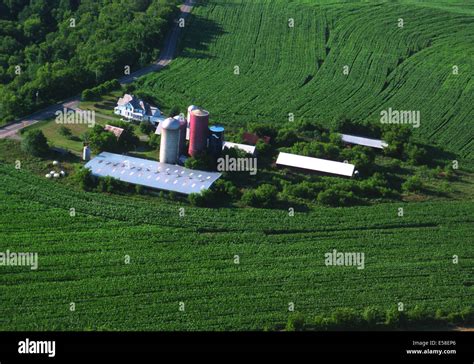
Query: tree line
52	49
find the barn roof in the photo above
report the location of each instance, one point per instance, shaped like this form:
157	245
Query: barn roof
315	164
367	142
151	174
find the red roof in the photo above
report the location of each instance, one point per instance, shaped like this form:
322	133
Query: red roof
254	138
114	129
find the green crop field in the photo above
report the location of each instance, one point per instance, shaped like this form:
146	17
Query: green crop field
299	70
190	259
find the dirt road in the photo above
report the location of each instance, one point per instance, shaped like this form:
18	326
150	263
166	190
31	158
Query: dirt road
169	49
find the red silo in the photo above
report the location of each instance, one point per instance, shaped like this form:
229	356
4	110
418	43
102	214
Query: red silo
198	131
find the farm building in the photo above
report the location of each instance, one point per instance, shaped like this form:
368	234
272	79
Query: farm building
315	164
250	149
115	130
366	142
254	138
151	174
133	108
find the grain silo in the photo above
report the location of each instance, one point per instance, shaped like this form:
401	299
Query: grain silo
86	153
198	131
216	140
183	129
169	141
191	108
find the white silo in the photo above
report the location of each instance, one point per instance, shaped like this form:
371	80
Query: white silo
169	146
191	108
86	153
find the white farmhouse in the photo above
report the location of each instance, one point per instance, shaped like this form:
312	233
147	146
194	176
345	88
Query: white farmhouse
133	108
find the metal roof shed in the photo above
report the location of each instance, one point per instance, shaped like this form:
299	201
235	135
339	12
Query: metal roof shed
250	149
315	164
367	142
151	174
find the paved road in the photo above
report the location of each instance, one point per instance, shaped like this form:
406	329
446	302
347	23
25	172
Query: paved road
166	56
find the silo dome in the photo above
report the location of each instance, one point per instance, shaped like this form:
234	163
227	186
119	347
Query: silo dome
170	124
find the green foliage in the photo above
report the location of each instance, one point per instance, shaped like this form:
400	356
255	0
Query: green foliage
113	185
399	66
174	111
372	316
346	318
265	130
64	131
286	138
35	143
83	177
295	322
264	195
397	137
206	198
395	319
412	184
201	161
335	197
101	140
59	60
416	154
146	127
193	253
154	141
95	92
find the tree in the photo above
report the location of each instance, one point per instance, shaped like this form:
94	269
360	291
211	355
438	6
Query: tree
204	199
416	154
263	130
395	318
286	138
335	197
35	143
174	111
412	184
201	161
372	316
83	177
264	195
154	141
295	322
101	140
397	137
88	95
146	127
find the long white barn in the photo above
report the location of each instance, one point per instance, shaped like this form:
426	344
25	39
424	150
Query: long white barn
151	174
315	164
366	142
